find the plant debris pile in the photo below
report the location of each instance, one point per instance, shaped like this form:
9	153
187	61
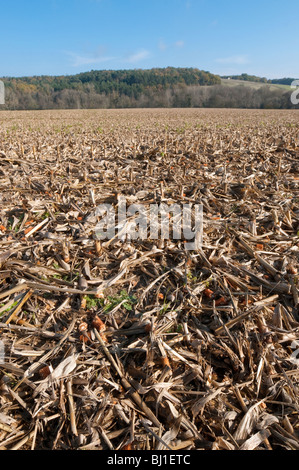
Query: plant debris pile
141	344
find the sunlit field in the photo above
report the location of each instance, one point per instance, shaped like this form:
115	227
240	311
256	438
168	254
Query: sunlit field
143	344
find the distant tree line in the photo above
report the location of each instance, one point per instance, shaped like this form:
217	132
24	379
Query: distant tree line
248	78
253	78
283	81
169	87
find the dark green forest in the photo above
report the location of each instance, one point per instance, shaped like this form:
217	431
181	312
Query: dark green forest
158	87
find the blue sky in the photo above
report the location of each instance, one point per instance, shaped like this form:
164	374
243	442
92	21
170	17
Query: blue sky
58	37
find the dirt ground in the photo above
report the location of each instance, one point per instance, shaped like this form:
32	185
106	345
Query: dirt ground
143	344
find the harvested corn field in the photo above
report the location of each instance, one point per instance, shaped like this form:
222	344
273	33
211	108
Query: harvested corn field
141	344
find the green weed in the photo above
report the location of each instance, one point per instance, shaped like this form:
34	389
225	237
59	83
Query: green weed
113	301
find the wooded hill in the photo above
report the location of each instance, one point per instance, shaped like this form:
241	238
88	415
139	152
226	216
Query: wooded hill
158	87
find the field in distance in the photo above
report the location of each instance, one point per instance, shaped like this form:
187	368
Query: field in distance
255	85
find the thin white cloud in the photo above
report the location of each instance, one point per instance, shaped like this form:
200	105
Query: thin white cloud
162	46
98	57
78	60
137	56
235	60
